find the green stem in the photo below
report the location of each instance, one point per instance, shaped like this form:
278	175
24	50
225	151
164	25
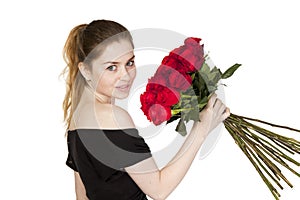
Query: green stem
274	149
254	146
261	146
287	142
186	96
268	123
242	146
176	111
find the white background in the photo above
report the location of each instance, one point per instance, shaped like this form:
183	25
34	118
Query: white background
262	35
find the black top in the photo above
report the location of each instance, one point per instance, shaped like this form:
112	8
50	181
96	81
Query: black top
100	157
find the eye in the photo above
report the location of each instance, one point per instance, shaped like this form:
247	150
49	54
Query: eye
112	68
130	63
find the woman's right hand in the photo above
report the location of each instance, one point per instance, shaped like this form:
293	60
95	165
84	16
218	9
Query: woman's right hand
213	114
159	183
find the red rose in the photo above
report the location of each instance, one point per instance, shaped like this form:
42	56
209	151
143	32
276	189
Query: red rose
153	108
192	41
177	51
168	97
147	99
190	55
171	61
165	95
158	113
173	78
157	94
179	81
189	59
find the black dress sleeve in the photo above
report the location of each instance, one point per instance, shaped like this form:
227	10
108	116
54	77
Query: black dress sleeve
108	152
70	163
100	157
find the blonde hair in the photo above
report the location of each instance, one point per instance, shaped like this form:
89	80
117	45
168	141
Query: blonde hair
80	47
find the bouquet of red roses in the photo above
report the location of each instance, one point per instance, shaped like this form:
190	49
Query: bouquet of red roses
180	89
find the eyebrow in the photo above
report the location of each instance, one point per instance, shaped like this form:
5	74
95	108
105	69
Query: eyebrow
114	62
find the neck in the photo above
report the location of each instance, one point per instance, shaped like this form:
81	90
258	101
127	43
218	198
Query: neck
90	95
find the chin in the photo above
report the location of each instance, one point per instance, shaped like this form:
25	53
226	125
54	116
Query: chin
121	96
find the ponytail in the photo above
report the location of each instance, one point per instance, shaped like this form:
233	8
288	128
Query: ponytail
73	54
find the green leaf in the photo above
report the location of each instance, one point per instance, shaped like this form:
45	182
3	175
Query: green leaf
205	68
193	76
194	115
212	88
204	75
230	71
202	102
216	75
181	128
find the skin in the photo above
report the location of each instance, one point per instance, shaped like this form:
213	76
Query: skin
110	72
115	68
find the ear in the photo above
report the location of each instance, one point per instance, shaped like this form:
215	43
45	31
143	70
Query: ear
84	70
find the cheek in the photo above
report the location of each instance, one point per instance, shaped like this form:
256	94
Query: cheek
103	82
132	73
98	77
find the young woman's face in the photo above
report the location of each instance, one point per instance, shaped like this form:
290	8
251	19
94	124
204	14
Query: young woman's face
114	71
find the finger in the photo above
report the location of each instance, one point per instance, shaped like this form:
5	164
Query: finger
218	103
221	109
212	100
226	113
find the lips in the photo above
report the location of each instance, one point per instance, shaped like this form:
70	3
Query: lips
122	87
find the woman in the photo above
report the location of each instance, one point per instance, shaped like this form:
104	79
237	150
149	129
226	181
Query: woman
109	158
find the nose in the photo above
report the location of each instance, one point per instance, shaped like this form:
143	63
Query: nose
124	75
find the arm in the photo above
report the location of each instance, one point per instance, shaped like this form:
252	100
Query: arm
158	184
79	188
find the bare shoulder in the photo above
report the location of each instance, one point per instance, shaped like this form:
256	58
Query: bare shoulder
122	117
117	110
114	117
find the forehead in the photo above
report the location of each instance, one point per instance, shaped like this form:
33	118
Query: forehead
115	51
